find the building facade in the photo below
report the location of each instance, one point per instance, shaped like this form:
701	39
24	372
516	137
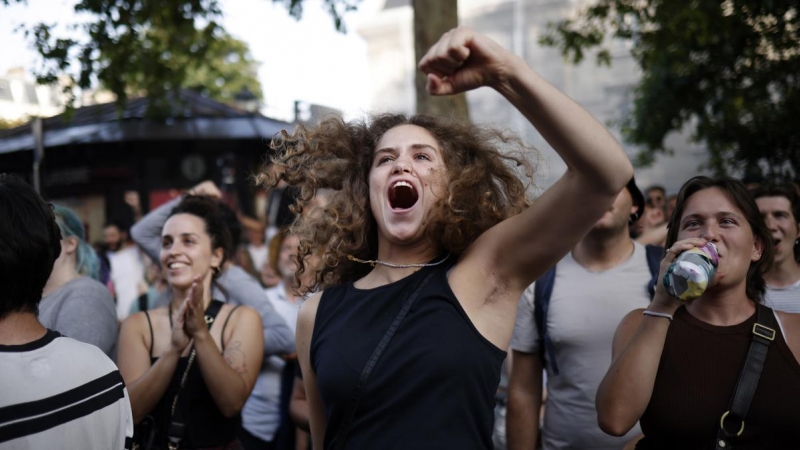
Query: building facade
606	92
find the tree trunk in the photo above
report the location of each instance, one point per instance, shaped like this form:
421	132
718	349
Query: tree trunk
431	20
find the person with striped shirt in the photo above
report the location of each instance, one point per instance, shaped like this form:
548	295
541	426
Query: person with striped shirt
55	392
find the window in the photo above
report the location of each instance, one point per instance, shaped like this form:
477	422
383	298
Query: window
30	94
5	90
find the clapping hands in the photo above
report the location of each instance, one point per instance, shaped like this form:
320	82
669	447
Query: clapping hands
189	320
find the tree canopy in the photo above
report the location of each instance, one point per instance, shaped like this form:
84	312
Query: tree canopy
154	48
729	70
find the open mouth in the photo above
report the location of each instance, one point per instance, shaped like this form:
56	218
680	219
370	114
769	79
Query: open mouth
402	195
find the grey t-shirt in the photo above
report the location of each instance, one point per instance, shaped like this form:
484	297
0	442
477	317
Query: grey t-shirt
84	310
585	309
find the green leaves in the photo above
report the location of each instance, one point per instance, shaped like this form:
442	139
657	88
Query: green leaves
154	49
728	70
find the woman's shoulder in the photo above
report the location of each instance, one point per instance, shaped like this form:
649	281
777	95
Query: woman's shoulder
143	319
308	312
790	325
86	290
85	286
239	314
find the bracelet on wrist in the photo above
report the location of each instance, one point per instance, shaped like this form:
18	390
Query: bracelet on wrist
647	312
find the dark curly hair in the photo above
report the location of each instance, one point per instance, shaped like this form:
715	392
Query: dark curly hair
213	214
483	187
738	195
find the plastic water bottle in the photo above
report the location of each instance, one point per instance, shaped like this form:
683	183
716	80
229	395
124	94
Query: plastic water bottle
691	272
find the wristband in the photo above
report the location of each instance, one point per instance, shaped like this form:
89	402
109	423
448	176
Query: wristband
657	314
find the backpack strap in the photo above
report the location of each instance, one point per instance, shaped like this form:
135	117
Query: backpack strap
654	253
542	291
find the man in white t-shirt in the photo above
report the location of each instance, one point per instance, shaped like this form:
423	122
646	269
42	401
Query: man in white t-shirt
780	206
604	277
127	267
55	392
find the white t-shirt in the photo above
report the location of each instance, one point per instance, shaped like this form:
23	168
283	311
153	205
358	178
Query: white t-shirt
127	273
59	393
258	255
785	299
585	309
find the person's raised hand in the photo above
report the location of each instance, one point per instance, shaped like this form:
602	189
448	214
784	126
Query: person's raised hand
206	188
662	300
132	199
463	60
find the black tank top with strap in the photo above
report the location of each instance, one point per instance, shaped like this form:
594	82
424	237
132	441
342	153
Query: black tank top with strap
205	424
434	385
695	382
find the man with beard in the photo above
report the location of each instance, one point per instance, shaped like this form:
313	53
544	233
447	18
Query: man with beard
570	329
127	268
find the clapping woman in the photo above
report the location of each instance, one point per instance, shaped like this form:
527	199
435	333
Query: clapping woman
190	366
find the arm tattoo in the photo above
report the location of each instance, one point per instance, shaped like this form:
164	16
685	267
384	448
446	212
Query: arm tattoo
235	357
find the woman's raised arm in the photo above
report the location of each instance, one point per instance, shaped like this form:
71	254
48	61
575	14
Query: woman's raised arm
626	389
518	250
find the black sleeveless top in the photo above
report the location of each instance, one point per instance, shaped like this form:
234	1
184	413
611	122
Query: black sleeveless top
434	385
695	382
205	424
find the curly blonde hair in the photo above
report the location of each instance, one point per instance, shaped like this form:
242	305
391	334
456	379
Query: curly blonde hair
483	187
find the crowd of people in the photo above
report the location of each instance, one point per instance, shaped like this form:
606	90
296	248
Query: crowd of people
413	269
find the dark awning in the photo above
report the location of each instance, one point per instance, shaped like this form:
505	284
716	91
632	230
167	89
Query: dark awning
201	118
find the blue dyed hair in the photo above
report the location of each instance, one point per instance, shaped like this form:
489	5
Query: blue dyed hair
87	261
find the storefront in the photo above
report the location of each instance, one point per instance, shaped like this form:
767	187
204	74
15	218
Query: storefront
98	154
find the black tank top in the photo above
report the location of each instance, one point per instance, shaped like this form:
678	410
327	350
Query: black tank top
695	382
205	424
434	386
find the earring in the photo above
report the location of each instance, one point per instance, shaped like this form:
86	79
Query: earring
215	270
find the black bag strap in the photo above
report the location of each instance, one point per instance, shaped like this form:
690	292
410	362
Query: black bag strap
542	291
654	255
350	412
177	425
731	424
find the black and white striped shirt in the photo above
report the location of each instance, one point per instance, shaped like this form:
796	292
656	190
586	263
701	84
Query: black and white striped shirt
57	392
